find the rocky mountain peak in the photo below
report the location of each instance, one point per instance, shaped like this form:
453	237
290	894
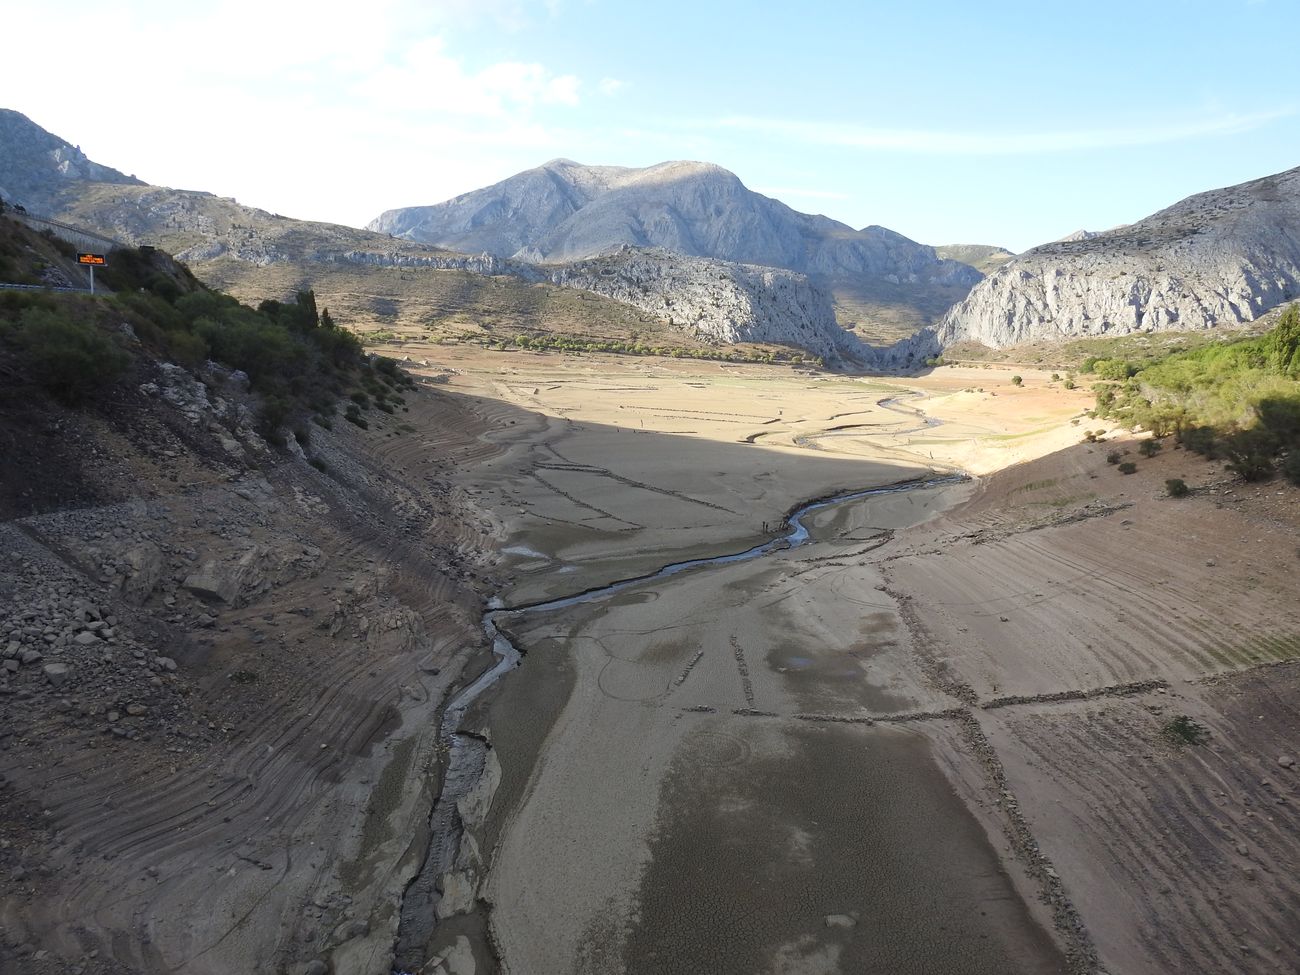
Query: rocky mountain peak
38	166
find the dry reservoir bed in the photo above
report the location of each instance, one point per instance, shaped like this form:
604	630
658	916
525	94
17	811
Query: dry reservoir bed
829	759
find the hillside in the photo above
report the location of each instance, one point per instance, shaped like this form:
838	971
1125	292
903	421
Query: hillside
383	283
985	258
1214	260
564	211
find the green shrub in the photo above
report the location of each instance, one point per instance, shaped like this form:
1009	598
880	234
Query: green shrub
186	348
1017	380
1149	448
1290	466
1128	467
1114	457
360	399
271	418
70	358
1176	487
1182	730
1201	440
1250	453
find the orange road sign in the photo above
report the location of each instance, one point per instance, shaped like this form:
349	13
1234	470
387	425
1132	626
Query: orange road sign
97	260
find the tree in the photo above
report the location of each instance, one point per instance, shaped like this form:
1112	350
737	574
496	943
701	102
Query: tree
1283	343
1017	381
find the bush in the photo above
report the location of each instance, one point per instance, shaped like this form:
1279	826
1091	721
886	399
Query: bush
271	419
1128	467
1182	730
1114	457
71	359
1200	440
1250	453
1290	467
1149	448
1017	381
1176	487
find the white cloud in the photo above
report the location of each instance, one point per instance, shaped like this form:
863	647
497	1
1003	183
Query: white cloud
851	135
610	86
313	110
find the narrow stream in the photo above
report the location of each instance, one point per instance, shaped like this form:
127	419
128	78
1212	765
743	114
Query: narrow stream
467	752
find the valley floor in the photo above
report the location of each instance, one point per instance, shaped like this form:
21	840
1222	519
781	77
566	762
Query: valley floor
930	740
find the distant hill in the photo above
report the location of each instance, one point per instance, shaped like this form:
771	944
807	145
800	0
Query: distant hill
985	258
564	211
1217	259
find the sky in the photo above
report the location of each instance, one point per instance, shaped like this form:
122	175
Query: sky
1009	123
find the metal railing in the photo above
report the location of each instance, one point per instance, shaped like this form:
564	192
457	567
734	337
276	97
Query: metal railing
78	236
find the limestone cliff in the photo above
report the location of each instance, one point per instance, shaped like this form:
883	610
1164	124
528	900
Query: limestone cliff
1217	259
719	301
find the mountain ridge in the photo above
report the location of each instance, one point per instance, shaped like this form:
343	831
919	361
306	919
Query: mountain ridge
1220	258
564	211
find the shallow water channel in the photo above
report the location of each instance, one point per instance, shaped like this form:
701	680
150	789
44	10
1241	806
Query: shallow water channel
467	752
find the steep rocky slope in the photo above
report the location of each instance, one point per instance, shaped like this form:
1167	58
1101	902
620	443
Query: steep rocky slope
36	167
718	300
1217	259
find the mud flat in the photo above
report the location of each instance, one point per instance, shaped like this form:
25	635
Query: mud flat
715	796
933	740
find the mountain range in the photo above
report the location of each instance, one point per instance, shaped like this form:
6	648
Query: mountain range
687	244
564	211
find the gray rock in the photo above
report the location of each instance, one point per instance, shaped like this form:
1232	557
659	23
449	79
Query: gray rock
166	663
1215	260
56	673
85	638
30	657
1286	761
316	967
563	211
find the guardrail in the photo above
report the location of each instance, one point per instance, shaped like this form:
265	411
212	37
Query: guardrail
40	287
78	236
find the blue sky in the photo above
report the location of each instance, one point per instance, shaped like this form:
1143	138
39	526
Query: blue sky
1010	123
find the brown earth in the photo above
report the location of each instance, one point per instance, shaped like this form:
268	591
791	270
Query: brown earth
932	740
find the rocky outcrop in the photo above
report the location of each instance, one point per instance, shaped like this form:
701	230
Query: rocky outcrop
563	211
719	301
1217	259
36	166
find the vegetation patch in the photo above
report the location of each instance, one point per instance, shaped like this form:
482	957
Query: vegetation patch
1183	730
1236	400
